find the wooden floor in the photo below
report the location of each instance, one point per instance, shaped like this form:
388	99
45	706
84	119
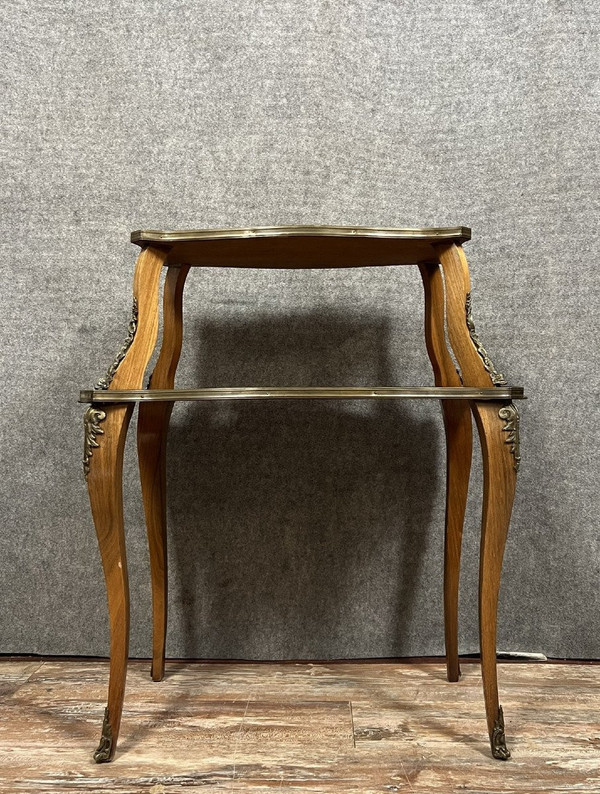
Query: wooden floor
337	727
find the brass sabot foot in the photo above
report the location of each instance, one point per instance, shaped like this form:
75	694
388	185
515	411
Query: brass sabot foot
498	739
104	751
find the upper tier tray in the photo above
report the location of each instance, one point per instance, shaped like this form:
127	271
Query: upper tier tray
301	246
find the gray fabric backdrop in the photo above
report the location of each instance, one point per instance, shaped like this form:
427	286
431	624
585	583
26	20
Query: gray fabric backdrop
300	530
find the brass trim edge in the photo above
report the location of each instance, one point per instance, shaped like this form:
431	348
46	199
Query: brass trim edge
142	236
102	754
91	424
498	378
498	738
105	382
510	415
293	393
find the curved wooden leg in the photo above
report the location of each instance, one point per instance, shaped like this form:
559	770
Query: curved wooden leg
499	433
459	448
498	430
105	432
153	426
459	440
475	364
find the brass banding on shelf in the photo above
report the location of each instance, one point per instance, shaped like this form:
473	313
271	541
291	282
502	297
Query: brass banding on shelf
497	394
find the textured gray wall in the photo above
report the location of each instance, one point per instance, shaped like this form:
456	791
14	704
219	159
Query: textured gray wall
300	530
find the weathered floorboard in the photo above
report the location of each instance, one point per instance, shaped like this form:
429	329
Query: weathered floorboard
14	674
337	727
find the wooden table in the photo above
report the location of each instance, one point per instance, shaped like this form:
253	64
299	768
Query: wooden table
473	387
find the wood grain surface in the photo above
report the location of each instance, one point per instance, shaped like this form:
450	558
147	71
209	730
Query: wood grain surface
459	450
335	727
153	426
105	487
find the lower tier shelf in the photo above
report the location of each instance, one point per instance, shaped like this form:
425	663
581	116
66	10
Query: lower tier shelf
498	393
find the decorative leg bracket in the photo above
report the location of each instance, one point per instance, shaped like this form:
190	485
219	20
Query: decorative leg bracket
91	424
93	416
105	382
497	378
510	415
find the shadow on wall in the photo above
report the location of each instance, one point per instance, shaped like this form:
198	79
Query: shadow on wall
290	522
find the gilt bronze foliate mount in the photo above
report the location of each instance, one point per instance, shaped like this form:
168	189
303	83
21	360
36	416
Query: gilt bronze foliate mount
105	382
91	430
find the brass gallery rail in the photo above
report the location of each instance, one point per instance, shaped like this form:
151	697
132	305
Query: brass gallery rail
291	393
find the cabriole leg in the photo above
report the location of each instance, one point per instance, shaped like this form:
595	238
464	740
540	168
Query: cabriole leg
459	447
153	426
105	432
498	431
459	439
497	424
